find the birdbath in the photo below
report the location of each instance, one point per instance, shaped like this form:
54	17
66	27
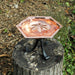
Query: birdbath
39	27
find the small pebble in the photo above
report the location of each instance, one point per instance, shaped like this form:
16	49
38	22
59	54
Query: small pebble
11	15
25	53
28	62
35	65
7	15
32	57
13	35
59	37
36	69
31	65
43	62
59	53
16	5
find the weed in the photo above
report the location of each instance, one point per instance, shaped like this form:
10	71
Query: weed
73	11
67	4
0	11
5	30
22	1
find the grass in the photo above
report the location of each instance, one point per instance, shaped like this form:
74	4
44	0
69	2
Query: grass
22	1
73	11
69	47
0	11
5	30
68	41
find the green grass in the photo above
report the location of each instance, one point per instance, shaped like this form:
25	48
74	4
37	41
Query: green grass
0	11
22	1
73	11
67	4
5	30
68	42
69	46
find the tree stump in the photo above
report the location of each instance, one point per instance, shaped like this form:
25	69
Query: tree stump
32	63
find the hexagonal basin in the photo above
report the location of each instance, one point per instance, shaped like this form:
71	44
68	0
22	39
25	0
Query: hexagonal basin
39	27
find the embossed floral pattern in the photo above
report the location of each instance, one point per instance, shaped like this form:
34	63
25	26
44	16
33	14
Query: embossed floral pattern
39	26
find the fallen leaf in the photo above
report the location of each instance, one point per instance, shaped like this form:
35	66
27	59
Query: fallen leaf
1	47
12	69
67	11
10	34
4	55
9	64
73	36
4	72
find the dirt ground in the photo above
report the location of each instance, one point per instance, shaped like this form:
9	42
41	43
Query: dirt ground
11	13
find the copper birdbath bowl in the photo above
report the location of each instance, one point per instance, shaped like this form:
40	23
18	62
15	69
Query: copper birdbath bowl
39	27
